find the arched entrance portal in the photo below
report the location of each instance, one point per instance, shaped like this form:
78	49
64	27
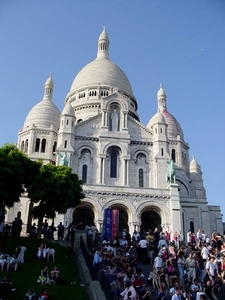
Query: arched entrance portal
83	214
123	217
150	219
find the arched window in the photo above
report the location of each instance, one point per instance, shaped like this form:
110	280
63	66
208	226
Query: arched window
192	227
84	173
65	144
173	155
54	147
43	145
22	146
37	145
26	146
141	177
67	122
113	164
162	152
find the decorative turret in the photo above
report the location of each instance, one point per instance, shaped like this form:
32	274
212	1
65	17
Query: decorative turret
103	45
161	97
194	167
49	86
66	134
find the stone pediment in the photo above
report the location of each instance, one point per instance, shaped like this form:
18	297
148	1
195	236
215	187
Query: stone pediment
137	130
90	127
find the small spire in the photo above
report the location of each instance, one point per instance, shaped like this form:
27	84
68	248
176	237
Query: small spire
49	86
161	97
103	44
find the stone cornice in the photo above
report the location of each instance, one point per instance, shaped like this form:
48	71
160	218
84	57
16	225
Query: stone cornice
141	143
85	138
130	195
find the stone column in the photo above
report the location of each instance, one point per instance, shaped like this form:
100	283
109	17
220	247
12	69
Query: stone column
102	168
105	118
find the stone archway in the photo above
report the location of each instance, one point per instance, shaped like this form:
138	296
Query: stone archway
83	214
150	219
123	216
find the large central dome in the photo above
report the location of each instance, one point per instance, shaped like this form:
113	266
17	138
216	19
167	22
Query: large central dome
102	71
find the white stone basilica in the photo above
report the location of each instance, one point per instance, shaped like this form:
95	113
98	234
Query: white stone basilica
122	162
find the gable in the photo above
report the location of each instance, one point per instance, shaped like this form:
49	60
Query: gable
138	131
90	127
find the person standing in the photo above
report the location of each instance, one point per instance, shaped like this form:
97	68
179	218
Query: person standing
191	267
143	244
61	229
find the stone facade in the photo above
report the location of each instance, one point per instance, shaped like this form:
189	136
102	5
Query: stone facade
122	162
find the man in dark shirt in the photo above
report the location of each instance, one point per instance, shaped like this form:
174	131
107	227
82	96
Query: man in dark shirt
6	285
146	294
209	290
174	277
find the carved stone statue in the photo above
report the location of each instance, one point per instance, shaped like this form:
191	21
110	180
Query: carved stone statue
86	156
114	120
141	159
170	174
63	159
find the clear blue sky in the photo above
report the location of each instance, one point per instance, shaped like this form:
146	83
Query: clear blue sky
179	43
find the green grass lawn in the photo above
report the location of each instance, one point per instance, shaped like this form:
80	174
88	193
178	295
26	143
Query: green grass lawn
28	273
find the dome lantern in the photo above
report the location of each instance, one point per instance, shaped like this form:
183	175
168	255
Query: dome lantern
161	97
103	45
49	86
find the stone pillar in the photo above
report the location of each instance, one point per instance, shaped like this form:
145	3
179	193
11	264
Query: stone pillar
176	224
124	120
77	236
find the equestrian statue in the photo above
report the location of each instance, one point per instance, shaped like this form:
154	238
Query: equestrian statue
170	173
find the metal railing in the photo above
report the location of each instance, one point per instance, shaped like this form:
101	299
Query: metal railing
97	274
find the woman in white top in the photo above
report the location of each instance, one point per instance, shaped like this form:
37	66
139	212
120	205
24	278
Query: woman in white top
129	292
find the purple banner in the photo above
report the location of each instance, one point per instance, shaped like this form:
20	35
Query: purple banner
108	223
115	223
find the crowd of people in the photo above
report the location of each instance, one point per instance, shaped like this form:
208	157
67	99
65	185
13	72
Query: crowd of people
10	262
176	270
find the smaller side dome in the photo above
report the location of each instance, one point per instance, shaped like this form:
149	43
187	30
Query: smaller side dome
45	113
194	166
68	110
157	118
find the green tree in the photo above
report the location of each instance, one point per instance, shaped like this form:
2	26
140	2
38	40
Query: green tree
54	189
16	172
